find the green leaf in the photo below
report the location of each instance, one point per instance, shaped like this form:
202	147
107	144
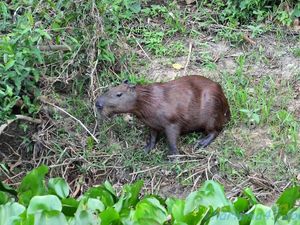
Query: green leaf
248	192
49	218
262	215
224	218
102	193
9	64
129	196
95	205
59	187
176	209
3	198
292	218
109	216
110	188
287	200
241	205
211	194
9	91
150	209
69	206
44	203
85	218
32	184
6	188
10	212
43	33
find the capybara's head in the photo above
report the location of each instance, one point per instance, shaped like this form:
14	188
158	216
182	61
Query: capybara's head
119	99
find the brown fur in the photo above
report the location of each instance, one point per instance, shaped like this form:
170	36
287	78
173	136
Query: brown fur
187	104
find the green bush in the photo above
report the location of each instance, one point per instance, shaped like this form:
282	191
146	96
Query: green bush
19	57
237	12
39	202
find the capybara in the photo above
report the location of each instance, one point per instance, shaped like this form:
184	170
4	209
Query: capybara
187	104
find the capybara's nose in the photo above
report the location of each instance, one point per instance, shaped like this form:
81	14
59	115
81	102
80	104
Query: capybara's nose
99	104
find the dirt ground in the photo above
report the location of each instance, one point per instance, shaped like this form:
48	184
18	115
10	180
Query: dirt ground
60	142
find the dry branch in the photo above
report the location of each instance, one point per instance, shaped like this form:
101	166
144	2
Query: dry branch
188	59
73	117
19	117
54	48
249	40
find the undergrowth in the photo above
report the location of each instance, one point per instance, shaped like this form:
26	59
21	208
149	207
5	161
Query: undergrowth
71	52
39	202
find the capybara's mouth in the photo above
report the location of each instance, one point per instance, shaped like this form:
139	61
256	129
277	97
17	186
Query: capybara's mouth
104	114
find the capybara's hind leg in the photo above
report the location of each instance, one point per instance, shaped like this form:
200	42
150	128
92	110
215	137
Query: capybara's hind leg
151	141
204	142
172	133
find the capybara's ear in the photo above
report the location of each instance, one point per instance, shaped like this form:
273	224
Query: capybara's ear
126	82
131	87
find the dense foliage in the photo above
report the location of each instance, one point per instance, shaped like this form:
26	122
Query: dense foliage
25	25
39	202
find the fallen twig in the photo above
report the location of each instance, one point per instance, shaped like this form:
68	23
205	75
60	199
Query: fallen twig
188	59
142	49
19	117
73	117
54	48
246	38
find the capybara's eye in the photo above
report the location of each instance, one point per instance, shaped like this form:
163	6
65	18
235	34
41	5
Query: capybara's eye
119	94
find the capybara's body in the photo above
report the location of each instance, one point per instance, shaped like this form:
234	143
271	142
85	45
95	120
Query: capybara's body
187	104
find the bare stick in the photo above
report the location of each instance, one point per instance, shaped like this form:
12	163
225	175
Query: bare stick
143	171
246	38
142	49
54	48
62	110
188	59
19	117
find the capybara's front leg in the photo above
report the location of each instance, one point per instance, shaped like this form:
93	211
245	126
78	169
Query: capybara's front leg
151	142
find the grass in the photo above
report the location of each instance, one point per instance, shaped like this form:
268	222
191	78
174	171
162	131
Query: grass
261	139
256	117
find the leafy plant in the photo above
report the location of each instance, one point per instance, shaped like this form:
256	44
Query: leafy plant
100	205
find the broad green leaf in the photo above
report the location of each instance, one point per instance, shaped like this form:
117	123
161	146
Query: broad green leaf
59	187
32	184
109	216
241	205
292	218
44	203
3	198
211	194
43	33
248	192
6	188
102	194
86	218
150	209
95	205
224	218
129	196
262	215
109	187
287	200
176	209
91	204
69	206
49	218
10	212
9	64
